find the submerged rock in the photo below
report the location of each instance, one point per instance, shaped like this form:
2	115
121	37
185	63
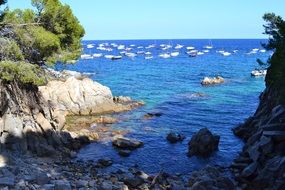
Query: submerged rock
175	137
203	143
152	115
126	143
104	162
212	81
124	153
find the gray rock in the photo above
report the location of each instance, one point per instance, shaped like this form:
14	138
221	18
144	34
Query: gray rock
7	181
42	178
203	143
104	162
106	185
134	182
62	185
175	137
126	143
48	187
124	153
249	170
81	183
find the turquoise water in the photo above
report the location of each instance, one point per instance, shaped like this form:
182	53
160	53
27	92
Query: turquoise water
167	86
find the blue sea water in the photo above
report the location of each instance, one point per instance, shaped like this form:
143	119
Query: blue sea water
168	86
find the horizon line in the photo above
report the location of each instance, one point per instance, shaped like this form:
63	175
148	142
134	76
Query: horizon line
176	39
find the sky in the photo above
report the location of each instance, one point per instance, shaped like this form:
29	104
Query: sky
170	19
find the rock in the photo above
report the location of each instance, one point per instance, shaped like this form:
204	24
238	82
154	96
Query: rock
49	187
126	143
81	183
42	178
212	81
152	115
174	137
249	170
203	143
210	178
83	97
133	182
62	185
124	153
7	181
105	162
106	185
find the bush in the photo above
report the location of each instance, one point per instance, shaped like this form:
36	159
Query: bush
22	72
9	50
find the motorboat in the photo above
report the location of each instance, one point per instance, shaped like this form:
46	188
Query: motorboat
178	46
190	48
130	55
116	57
97	55
226	53
200	53
109	56
149	57
174	54
86	56
258	72
90	46
165	55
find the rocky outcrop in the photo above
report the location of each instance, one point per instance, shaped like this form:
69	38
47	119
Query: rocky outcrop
210	178
175	137
261	163
212	81
29	123
203	143
126	143
84	97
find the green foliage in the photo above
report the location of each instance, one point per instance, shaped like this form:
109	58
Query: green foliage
59	19
22	72
38	44
9	50
275	28
49	35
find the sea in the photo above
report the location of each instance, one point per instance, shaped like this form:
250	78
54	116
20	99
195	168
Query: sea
172	86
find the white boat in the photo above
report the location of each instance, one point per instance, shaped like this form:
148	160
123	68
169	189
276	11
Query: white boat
190	48
90	46
140	52
133	45
86	56
206	51
121	47
226	53
178	46
148	53
165	55
109	56
200	53
131	55
150	46
116	57
235	51
258	72
97	55
220	51
255	49
262	50
129	49
174	54
140	47
192	53
149	57
210	46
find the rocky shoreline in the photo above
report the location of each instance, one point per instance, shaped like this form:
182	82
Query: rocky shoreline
41	130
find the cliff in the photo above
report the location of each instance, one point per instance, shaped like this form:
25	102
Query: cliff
33	118
261	163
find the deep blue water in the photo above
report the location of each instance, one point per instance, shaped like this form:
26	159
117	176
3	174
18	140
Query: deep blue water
167	86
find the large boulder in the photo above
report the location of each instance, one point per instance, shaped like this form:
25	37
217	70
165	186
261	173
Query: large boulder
126	143
84	97
212	81
203	143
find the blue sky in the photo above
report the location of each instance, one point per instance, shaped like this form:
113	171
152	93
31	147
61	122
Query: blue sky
170	19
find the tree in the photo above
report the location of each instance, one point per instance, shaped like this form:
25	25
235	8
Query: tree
275	28
46	36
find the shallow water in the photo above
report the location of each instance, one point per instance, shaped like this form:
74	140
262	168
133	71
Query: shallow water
168	86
